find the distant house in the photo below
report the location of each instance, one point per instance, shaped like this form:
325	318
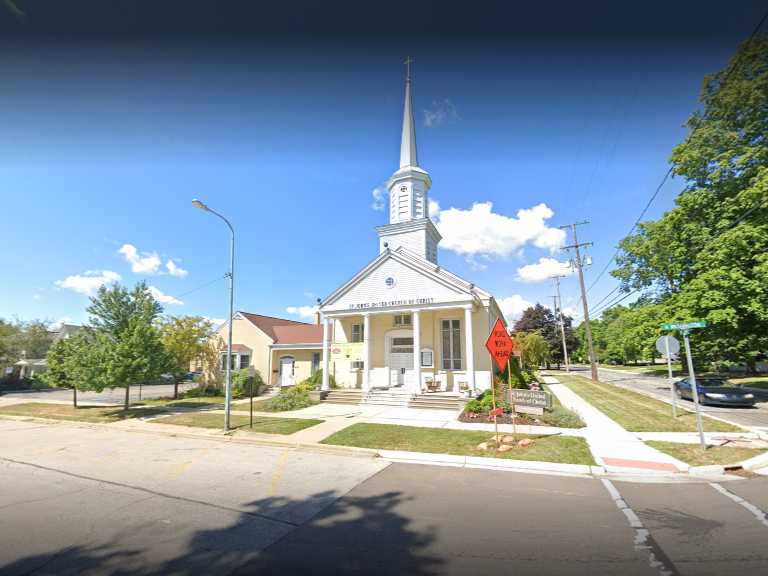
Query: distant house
284	351
29	367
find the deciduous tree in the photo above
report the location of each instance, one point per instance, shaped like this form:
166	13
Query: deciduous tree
185	339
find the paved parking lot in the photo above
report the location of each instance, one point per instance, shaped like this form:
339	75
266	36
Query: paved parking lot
115	396
85	500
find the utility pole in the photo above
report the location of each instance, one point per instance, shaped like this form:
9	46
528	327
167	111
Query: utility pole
577	262
559	312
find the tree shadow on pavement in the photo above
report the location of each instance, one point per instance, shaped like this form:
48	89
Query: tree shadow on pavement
320	534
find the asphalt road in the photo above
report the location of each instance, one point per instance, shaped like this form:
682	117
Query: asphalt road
660	388
115	396
76	501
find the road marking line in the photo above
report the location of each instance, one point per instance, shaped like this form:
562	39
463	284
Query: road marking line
761	516
278	475
643	542
180	468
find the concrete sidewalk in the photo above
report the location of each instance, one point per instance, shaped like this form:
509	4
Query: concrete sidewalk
612	446
340	416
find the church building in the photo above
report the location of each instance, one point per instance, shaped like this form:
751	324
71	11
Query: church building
403	322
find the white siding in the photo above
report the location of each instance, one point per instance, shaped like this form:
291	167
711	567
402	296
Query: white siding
410	285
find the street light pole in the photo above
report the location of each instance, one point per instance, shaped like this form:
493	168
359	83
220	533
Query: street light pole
228	389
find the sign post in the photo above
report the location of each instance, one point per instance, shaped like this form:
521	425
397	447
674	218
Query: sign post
511	399
668	346
500	345
685	328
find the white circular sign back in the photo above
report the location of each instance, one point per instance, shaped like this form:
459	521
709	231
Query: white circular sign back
674	345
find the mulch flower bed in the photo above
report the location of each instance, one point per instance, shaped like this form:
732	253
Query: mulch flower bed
482	418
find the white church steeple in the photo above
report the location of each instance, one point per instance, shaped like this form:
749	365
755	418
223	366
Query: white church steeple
408	138
409	224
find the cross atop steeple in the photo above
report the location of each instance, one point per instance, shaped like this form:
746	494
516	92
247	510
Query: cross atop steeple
408	62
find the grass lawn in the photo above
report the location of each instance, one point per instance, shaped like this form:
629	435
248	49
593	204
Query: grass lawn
636	412
693	454
201	402
264	424
650	370
752	382
661	370
83	414
563	449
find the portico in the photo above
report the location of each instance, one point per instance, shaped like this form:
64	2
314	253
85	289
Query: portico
413	349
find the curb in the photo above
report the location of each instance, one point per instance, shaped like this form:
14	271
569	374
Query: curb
752	464
253	438
476	462
488	463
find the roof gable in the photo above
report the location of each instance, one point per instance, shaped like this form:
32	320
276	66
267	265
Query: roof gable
398	278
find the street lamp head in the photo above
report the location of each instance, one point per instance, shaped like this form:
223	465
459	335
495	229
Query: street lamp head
197	204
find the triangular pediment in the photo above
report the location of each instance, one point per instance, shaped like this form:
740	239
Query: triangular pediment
396	280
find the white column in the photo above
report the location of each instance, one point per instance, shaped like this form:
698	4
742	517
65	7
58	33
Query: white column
366	352
469	348
416	352
326	385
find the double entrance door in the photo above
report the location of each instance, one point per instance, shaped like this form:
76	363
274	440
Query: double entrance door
399	359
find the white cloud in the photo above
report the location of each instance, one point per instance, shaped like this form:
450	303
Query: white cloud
158	295
60	322
433	209
217	322
88	282
379	198
141	263
309	294
439	112
513	306
481	231
543	270
571	311
175	270
302	311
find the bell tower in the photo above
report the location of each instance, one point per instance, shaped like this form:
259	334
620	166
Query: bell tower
409	224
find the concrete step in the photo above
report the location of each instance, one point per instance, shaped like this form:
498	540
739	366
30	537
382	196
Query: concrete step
436	400
434	406
344	396
389	397
386	403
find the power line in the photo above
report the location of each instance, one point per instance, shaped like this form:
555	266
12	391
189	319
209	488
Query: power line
612	303
598	309
606	297
669	172
204	285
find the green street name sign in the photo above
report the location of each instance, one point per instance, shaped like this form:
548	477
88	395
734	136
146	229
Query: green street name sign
684	325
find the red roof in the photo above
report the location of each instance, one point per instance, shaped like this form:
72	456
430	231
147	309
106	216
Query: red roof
298	334
284	331
267	323
239	348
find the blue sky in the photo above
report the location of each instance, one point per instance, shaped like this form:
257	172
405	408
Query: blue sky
105	145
